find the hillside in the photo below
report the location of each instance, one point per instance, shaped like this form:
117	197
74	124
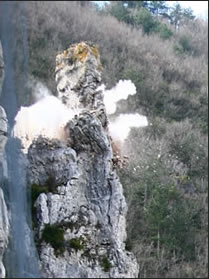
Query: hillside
165	180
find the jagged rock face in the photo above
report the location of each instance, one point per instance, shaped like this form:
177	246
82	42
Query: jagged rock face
3	117
90	208
1	68
3	130
78	74
79	207
4	231
53	162
4	219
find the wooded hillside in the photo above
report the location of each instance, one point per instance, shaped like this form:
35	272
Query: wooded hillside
165	54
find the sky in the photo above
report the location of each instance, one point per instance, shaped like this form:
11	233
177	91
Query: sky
200	8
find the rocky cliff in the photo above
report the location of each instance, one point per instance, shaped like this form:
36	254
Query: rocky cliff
1	68
4	220
78	206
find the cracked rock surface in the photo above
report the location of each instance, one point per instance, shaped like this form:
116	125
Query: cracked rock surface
4	218
79	210
1	68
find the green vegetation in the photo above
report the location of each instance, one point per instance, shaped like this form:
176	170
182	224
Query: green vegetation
165	53
164	32
120	12
54	235
144	17
49	186
167	197
185	43
170	219
36	190
77	243
105	264
87	255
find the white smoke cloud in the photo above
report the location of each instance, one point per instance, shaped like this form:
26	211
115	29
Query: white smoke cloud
122	90
40	91
48	116
120	128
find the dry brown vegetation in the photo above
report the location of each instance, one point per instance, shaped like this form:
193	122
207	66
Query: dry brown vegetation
171	77
168	156
53	27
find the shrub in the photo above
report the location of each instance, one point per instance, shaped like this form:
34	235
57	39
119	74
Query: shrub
185	43
120	12
164	32
145	18
36	190
165	194
49	186
77	243
54	235
105	263
172	222
190	147
184	46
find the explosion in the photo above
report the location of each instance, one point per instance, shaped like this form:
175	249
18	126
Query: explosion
48	116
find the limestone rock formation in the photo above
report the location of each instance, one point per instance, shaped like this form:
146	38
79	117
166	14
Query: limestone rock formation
78	74
79	208
3	117
4	220
1	68
4	231
3	131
